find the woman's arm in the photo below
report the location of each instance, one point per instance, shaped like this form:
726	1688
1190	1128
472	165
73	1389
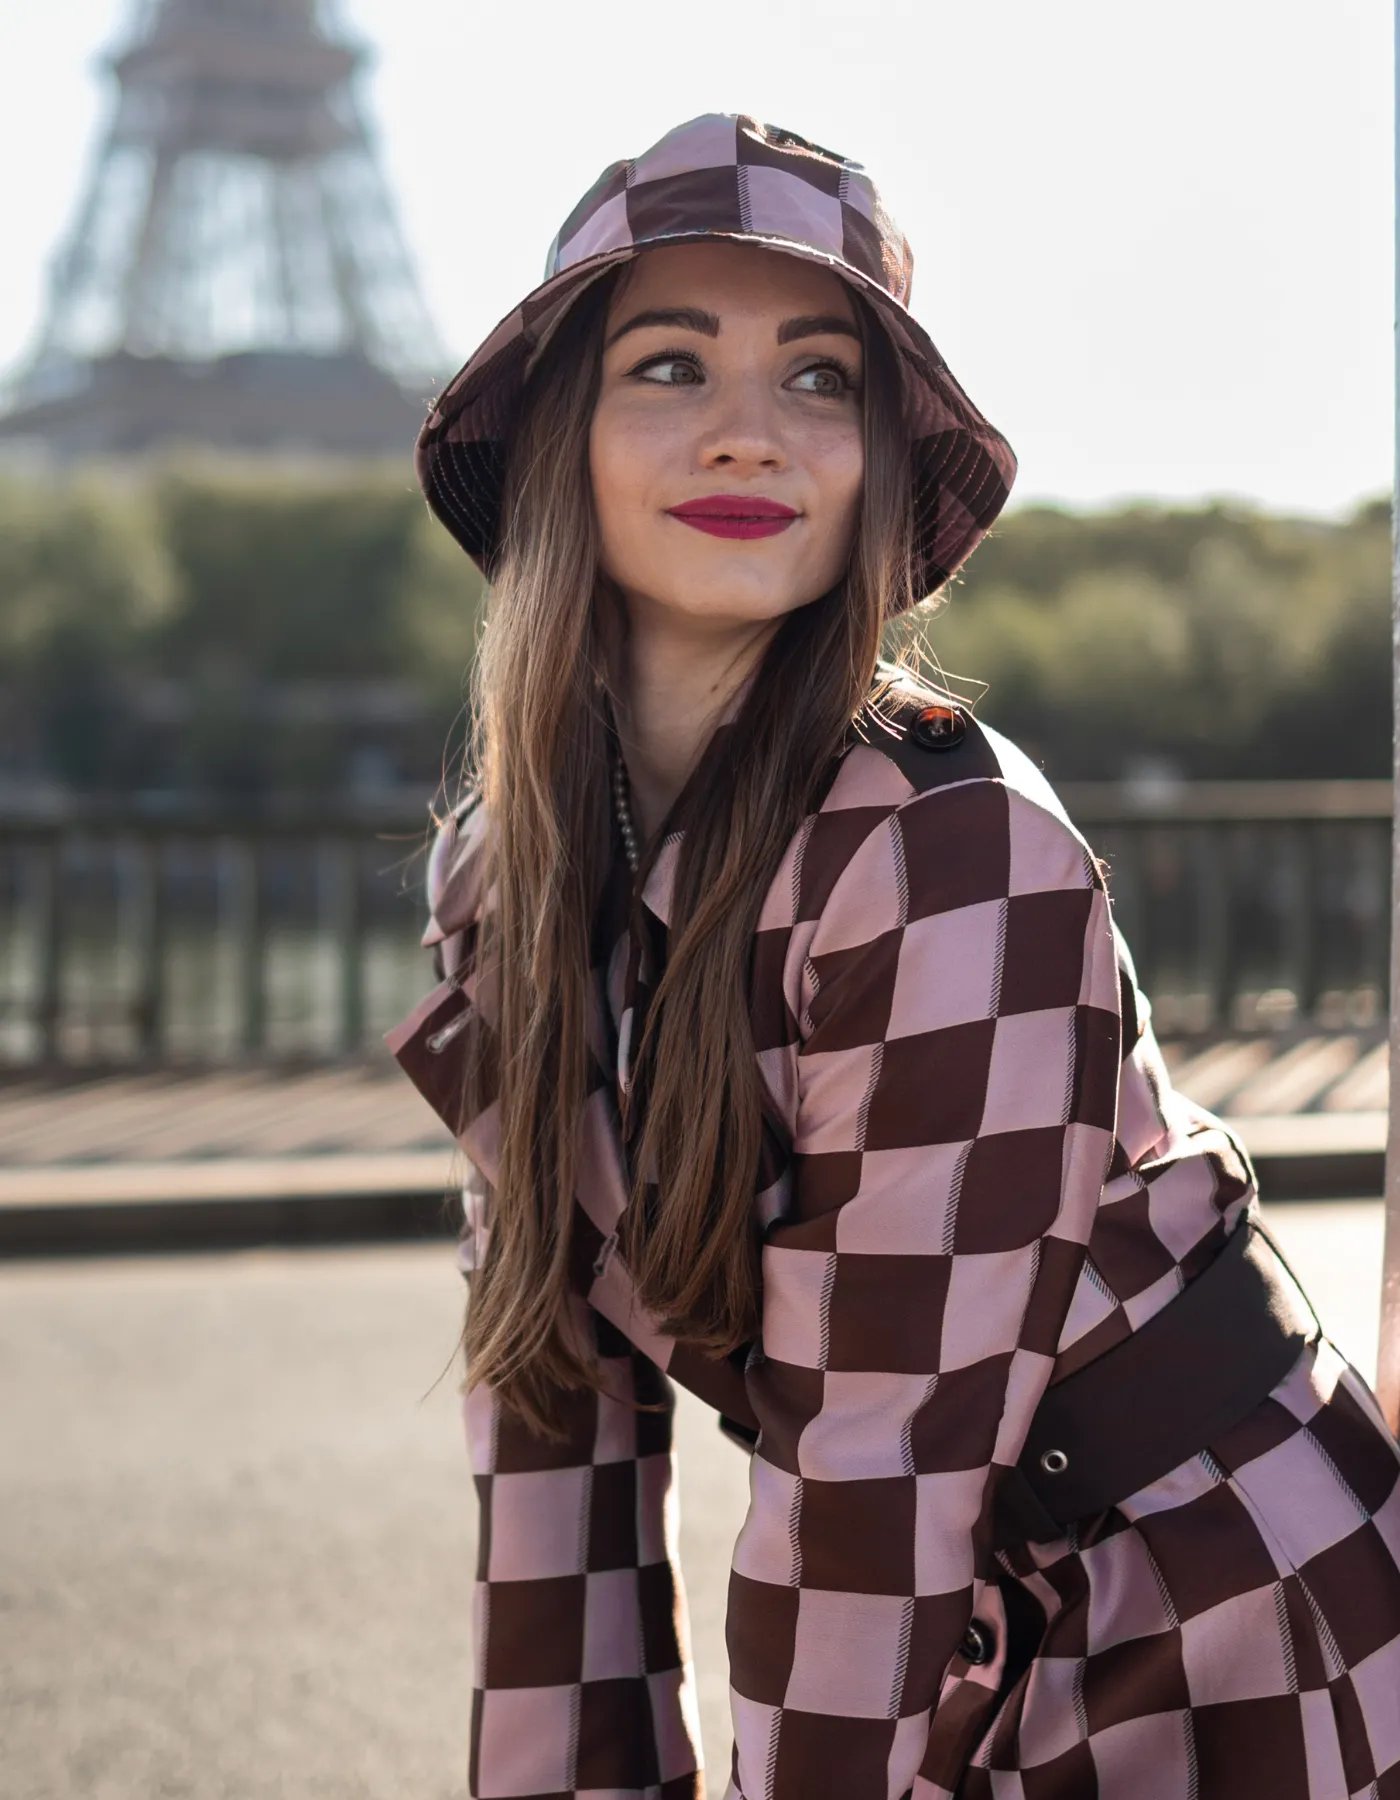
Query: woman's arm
583	1681
957	1078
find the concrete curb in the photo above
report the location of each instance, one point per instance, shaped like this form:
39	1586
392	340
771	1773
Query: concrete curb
128	1228
1359	1175
176	1182
1316	1156
232	1203
240	1203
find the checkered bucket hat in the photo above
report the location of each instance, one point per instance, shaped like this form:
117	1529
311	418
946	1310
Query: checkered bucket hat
726	176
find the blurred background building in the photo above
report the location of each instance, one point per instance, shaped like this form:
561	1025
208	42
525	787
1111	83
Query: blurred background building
234	274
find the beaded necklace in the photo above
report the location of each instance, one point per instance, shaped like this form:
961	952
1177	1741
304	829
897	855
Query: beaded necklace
622	806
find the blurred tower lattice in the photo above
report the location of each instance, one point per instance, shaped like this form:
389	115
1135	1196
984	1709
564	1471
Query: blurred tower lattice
235	274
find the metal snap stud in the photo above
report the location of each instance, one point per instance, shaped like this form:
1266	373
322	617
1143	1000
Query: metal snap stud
1054	1462
439	1041
939	727
978	1645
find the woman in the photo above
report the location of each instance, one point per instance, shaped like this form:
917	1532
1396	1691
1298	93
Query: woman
785	1023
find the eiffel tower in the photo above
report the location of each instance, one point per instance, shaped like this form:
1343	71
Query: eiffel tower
234	274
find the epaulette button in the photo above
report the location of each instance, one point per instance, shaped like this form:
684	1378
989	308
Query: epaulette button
938	727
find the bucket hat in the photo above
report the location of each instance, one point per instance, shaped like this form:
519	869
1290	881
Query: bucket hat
726	176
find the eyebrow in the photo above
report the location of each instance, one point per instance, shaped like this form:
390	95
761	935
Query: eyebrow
687	318
692	318
816	325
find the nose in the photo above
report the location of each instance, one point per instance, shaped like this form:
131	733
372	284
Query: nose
745	435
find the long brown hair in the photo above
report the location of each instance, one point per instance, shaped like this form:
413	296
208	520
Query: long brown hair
547	666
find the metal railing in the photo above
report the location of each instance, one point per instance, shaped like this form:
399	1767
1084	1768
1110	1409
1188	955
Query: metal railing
131	939
1250	905
201	938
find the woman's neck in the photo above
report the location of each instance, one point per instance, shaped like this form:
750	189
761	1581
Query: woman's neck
681	677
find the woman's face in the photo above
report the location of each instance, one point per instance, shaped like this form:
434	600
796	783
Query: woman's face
727	449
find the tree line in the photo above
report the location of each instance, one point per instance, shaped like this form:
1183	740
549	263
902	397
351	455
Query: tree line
1220	641
218	628
242	630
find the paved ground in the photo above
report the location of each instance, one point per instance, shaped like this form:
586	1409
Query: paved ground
370	1110
236	1529
236	1526
197	1160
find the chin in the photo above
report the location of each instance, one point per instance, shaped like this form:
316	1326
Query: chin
737	590
730	604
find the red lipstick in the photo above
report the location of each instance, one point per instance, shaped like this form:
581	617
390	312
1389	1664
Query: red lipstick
735	515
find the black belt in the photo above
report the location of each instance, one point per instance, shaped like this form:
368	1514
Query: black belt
1197	1367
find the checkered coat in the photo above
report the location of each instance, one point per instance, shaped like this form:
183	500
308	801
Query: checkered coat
972	1186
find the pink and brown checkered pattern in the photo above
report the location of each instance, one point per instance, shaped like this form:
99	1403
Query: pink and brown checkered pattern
971	1190
726	176
583	1683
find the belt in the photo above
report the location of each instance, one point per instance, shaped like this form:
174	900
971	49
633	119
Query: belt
1196	1368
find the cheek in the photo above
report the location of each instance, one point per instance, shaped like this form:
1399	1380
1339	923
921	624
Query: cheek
622	463
838	465
610	468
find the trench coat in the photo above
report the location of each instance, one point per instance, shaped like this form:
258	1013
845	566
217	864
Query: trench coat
976	1180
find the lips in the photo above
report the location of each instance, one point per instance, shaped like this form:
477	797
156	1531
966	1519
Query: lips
735	515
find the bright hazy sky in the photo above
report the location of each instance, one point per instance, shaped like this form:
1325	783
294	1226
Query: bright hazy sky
1153	240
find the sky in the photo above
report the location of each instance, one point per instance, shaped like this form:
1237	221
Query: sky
1154	242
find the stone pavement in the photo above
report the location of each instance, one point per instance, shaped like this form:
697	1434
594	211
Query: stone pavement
148	1159
237	1529
370	1110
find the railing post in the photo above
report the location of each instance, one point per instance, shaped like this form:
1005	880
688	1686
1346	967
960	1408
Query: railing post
149	934
1213	877
249	938
47	898
347	909
1298	951
1370	903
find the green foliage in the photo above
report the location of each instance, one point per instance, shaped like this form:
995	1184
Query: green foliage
1223	641
146	619
284	584
82	563
85	582
195	593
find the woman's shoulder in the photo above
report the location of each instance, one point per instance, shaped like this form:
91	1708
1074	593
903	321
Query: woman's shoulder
926	793
933	739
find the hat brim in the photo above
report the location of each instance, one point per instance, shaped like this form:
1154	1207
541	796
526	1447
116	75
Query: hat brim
962	466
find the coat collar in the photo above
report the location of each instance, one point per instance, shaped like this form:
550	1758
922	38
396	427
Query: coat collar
659	888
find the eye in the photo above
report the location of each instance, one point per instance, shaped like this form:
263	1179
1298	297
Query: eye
671	369
830	380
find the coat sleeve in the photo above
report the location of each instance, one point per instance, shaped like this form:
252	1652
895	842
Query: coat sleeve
583	1682
956	1003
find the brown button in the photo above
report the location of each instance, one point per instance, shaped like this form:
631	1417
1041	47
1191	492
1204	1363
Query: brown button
939	727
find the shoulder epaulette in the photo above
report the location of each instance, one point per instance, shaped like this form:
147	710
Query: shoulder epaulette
931	737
